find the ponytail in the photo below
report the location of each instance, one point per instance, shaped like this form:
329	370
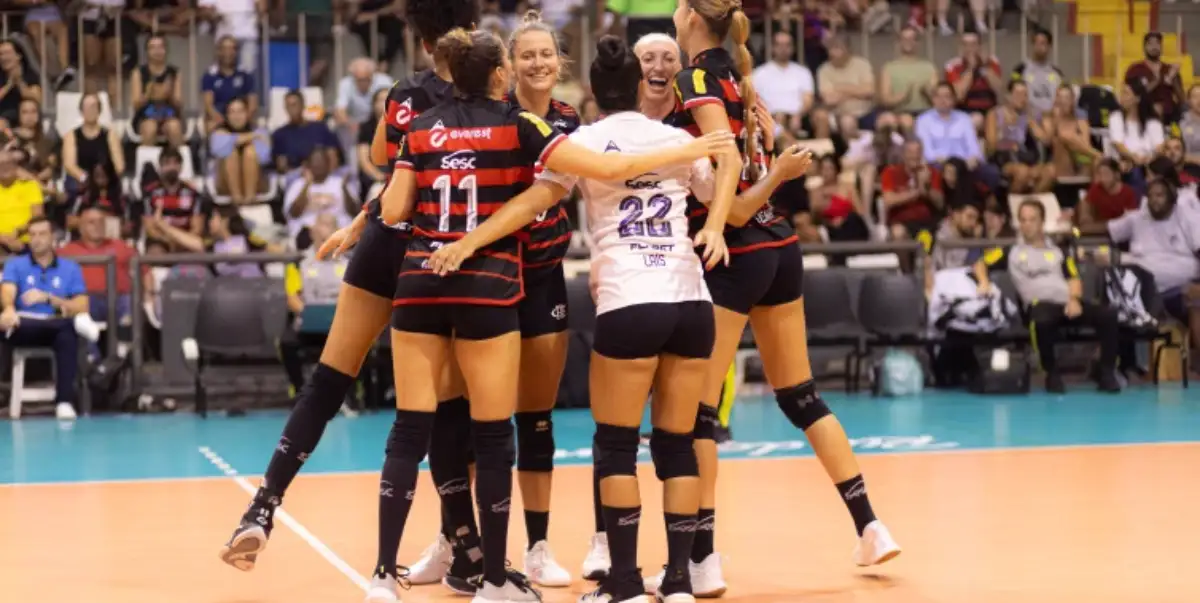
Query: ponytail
739	33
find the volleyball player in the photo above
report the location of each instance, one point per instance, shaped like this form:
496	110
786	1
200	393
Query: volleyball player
537	60
654	324
762	283
461	161
364	303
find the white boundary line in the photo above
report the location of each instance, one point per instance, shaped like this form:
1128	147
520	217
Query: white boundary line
780	457
289	521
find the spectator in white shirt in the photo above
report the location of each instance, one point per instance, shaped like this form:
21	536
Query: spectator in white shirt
355	102
318	192
847	83
785	86
237	19
1136	136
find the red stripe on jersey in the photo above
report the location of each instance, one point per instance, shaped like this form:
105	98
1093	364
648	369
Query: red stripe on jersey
448	140
482	252
701	101
731	91
550	148
503	277
471	301
434	208
533	265
483	177
549	221
551	243
765	245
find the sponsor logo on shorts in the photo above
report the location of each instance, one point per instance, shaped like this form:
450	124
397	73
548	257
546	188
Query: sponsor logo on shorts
559	312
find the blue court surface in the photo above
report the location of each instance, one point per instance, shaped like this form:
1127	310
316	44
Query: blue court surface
137	447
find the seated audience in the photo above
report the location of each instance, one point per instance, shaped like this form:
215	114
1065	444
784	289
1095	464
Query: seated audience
1187	169
369	174
1008	136
102	191
1042	76
785	86
906	83
89	145
20	201
224	82
1162	81
1136	135
39	147
1108	198
947	133
1189	126
318	192
172	200
846	84
95	238
40	294
241	149
18	82
995	221
962	223
1164	238
1047	281
224	233
293	142
156	93
1068	136
975	79
835	203
912	193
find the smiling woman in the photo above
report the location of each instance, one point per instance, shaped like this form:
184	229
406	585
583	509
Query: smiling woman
659	56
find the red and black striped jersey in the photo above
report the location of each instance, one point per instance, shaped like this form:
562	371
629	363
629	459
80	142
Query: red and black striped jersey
713	79
408	100
549	236
470	157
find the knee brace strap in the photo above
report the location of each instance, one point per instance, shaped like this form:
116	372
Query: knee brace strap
409	437
535	441
707	421
673	455
325	392
802	404
494	445
614	450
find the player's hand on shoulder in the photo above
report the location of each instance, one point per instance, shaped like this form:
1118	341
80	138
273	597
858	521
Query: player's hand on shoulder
344	239
713	144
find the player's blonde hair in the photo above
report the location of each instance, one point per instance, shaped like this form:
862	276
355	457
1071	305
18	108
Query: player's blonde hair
531	22
645	42
724	18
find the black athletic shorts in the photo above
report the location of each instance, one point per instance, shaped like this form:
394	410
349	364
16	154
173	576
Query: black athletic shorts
376	258
684	329
462	321
544	309
764	277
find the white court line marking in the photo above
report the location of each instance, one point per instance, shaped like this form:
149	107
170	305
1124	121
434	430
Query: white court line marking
289	521
778	457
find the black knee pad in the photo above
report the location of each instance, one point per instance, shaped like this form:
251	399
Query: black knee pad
494	446
673	455
448	458
802	404
535	441
707	421
327	390
614	450
409	437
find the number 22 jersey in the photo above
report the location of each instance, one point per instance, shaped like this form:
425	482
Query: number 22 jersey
640	226
469	158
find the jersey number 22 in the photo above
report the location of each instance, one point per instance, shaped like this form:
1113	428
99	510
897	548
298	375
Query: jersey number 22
633	225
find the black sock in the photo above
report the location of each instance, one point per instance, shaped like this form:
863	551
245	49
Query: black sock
407	443
495	453
622	528
854	494
681	536
449	468
537	524
702	547
597	508
316	405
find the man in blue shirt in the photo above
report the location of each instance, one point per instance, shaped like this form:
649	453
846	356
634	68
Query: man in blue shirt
41	293
225	81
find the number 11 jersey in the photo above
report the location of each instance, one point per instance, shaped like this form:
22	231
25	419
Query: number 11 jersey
639	226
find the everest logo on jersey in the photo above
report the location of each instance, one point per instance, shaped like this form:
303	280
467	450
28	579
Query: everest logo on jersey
437	134
460	160
404	113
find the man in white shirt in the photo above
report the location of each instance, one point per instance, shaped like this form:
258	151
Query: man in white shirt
317	192
786	87
237	19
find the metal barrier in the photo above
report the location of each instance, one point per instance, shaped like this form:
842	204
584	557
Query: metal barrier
176	259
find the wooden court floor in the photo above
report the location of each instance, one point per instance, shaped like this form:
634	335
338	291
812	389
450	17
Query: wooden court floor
1055	525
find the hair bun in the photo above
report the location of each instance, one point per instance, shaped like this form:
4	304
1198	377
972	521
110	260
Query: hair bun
531	16
611	52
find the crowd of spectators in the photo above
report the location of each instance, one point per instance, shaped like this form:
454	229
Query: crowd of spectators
909	150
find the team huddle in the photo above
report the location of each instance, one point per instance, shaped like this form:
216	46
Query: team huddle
462	256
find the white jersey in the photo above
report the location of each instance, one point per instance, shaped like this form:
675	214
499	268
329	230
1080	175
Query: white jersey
643	253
